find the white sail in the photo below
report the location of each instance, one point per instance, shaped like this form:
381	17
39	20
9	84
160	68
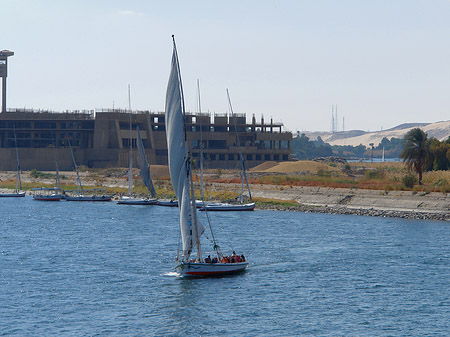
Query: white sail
144	167
179	163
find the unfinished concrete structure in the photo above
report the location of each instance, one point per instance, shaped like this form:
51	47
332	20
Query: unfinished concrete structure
101	138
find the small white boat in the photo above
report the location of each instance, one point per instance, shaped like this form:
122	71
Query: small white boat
181	176
47	194
215	207
12	195
210	269
202	203
136	201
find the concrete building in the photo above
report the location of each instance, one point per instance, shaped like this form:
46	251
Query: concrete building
101	139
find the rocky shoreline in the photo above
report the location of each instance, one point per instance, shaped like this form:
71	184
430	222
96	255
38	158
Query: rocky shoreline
437	216
396	204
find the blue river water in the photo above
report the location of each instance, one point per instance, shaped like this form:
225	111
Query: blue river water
87	269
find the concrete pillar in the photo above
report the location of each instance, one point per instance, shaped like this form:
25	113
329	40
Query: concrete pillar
4	54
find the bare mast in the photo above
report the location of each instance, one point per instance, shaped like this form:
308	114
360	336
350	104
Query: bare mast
241	156
130	170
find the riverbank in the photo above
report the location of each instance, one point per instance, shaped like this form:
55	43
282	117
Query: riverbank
398	204
317	199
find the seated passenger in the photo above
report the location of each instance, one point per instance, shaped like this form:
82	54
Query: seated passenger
242	258
208	259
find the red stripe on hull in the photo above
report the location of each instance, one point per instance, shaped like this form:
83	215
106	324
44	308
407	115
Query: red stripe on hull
200	273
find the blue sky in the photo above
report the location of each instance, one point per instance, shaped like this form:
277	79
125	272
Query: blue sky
381	62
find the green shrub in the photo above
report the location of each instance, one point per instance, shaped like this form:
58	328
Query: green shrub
409	180
374	174
323	173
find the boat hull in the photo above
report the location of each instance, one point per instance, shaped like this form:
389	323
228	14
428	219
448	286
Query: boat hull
93	198
228	207
137	201
210	269
167	203
46	198
12	195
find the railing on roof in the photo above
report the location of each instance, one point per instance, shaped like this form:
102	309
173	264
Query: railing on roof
126	111
84	114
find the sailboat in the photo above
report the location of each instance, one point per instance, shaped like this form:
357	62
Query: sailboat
17	192
241	206
79	196
129	199
182	181
201	203
51	193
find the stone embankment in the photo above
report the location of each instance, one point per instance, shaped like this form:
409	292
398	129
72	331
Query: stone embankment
399	204
443	216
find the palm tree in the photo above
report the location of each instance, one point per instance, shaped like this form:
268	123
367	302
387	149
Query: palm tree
416	152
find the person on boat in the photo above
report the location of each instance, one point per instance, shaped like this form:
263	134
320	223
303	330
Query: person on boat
238	258
215	260
242	258
208	259
233	257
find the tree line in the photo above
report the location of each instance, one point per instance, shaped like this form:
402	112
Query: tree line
304	148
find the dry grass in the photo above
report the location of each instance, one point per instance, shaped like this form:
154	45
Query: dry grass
377	176
306	166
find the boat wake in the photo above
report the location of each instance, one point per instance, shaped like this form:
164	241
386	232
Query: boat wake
172	274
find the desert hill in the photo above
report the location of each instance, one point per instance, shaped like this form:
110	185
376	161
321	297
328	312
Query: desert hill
439	130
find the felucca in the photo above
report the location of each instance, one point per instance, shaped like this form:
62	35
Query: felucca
17	192
181	177
129	199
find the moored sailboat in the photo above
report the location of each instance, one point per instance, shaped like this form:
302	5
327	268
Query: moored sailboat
17	192
181	177
129	199
241	206
79	194
47	194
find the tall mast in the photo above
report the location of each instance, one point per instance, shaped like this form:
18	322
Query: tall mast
130	161
57	175
79	186
241	157
201	140
190	187
19	180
